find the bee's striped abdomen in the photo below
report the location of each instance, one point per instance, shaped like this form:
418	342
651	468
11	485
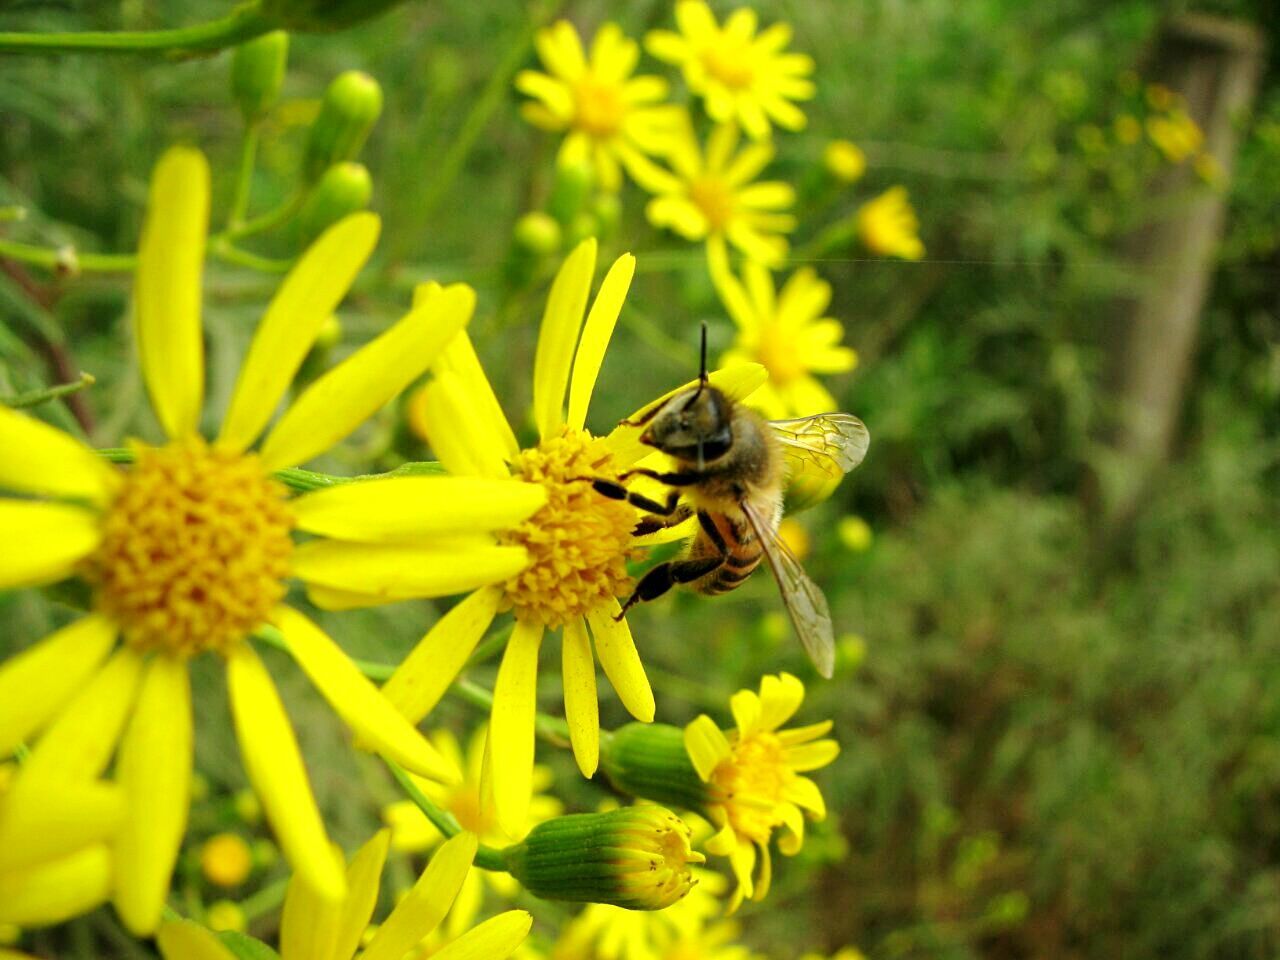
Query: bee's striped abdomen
743	556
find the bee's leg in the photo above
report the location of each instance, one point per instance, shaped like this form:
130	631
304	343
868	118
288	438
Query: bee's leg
644	417
653	524
664	576
616	491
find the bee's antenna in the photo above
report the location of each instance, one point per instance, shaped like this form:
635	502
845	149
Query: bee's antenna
702	373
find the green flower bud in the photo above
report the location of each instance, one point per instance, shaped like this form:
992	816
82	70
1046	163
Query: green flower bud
607	209
570	191
344	189
257	73
318	16
350	109
649	760
538	233
636	857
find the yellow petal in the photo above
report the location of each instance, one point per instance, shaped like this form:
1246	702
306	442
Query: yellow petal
309	922
780	698
804	734
39	458
344	397
42	820
56	891
706	745
812	756
37	682
466	906
621	662
405	509
307	297
329	598
357	701
495	939
80	742
459	358
155	772
445	415
515	697
425	905
425	674
363	876
596	334
167	308
54	537
558	336
274	766
746	711
187	940
804	793
581	709
398	571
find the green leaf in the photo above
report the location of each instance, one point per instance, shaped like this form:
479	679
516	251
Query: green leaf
246	947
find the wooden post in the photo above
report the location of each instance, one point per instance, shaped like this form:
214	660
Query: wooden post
1214	64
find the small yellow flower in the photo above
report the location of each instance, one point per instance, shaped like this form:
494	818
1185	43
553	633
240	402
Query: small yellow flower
225	915
412	832
887	225
610	118
710	196
578	542
226	860
1175	135
793	533
855	533
741	76
788	334
313	928
844	160
754	779
188	552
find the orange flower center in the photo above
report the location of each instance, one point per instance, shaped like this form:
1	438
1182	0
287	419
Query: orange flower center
751	785
599	107
579	542
714	198
195	549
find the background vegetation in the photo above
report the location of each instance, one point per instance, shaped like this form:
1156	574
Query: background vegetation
1060	739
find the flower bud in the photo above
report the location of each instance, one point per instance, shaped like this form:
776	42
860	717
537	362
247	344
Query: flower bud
570	191
844	160
226	860
637	857
257	73
344	189
319	16
538	233
649	760
348	112
225	915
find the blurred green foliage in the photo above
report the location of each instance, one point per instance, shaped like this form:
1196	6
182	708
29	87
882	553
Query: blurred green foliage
1057	744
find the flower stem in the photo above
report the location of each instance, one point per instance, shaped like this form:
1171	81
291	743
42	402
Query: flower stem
244	176
243	23
487	857
67	259
34	398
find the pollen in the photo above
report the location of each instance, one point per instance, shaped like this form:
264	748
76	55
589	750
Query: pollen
195	549
579	542
751	785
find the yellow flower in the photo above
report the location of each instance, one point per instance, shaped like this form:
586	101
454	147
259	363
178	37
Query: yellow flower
710	196
312	928
1176	135
844	160
610	118
188	552
754	779
787	333
579	542
888	225
741	75
226	860
412	832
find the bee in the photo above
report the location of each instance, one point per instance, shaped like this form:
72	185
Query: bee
731	468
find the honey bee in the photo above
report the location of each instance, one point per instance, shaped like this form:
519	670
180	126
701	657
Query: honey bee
731	468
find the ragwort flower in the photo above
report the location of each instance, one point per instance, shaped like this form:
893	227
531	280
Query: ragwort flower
753	779
710	196
787	333
741	76
188	552
887	225
610	118
312	928
579	542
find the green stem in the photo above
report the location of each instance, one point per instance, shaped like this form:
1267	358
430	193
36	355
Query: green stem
35	397
244	176
487	858
67	259
549	728
268	220
224	249
265	900
243	23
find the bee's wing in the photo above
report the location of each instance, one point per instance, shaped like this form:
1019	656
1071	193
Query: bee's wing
830	443
802	597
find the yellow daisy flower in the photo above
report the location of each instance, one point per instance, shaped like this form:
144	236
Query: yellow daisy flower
754	779
579	542
188	552
610	118
887	225
787	333
710	196
741	75
312	928
1175	135
472	807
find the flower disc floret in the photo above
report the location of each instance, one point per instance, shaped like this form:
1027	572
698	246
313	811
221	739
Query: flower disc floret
195	549
579	541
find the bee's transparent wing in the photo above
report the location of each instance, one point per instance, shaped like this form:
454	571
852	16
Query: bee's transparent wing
802	597
829	443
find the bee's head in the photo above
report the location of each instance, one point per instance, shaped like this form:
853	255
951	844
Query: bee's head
695	425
